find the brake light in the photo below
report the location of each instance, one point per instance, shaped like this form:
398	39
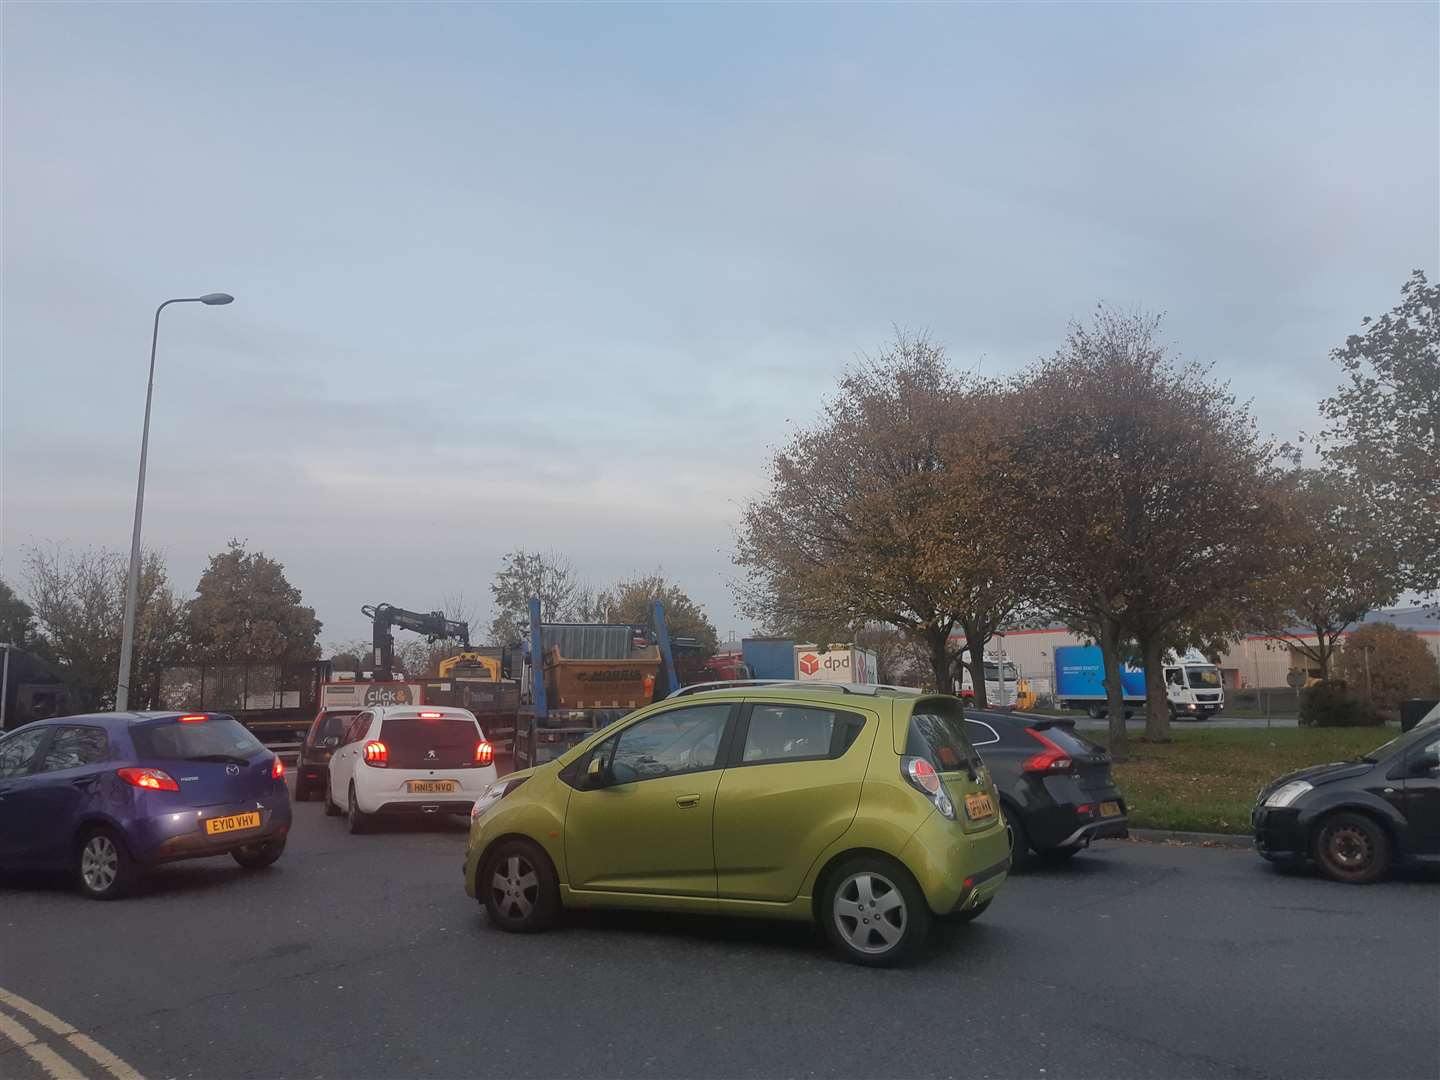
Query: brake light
484	752
148	779
277	769
1051	759
377	754
431	715
194	718
923	777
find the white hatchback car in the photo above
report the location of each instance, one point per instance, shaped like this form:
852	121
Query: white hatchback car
407	760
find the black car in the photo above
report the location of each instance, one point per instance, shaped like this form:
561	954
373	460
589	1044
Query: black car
312	770
1055	786
1355	819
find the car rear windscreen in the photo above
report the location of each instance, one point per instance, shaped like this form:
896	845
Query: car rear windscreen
176	741
414	743
937	733
335	723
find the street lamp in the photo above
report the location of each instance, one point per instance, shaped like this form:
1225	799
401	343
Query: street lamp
132	582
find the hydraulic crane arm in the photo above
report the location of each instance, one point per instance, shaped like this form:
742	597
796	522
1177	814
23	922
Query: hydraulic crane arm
432	624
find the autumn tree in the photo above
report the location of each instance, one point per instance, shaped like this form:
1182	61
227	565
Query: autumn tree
1335	565
548	575
631	600
1383	437
78	598
1389	665
887	509
1153	498
245	610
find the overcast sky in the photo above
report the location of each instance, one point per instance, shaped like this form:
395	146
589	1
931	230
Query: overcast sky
561	276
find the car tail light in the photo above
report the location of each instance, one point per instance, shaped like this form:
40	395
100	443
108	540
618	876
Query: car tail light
148	779
1051	759
277	769
484	752
194	718
431	715
924	779
377	754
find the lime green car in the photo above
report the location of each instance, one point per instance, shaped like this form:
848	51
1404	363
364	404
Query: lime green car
864	808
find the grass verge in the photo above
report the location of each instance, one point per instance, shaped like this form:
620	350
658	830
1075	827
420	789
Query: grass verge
1206	781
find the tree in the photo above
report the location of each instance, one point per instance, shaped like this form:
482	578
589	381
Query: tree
1154	499
79	601
546	574
878	512
631	600
1388	665
1384	433
17	620
246	611
1335	567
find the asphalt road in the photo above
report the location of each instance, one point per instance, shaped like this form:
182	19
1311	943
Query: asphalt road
362	957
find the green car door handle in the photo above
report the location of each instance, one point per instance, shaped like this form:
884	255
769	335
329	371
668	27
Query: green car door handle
687	800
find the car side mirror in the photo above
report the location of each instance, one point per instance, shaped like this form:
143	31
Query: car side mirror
1425	764
596	773
332	740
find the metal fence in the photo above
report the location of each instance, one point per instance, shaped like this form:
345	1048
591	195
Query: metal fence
239	687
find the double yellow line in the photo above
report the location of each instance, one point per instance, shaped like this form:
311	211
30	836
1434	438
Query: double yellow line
43	1053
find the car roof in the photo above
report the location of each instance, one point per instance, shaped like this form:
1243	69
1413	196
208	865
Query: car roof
114	720
793	688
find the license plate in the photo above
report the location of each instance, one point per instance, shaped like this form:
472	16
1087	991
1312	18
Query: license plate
431	787
1109	809
979	806
233	823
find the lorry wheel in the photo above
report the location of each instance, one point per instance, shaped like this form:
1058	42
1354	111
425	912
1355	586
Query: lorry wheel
1094	712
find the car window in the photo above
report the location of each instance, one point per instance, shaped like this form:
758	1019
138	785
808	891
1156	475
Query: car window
1424	757
357	729
980	733
333	725
676	741
1173	677
796	733
938	735
74	746
218	736
18	750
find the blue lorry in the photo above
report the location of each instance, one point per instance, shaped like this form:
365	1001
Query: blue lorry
1193	686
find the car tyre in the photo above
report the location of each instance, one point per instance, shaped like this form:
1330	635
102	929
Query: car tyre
1021	856
331	810
517	885
103	866
359	821
1352	848
873	912
260	855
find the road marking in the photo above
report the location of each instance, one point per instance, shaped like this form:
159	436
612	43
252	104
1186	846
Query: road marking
51	1062
54	1065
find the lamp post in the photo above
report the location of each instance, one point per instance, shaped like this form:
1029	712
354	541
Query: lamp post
132	580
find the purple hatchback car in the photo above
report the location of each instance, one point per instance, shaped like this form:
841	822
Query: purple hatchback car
109	794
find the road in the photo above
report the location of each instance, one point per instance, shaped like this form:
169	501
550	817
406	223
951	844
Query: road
362	957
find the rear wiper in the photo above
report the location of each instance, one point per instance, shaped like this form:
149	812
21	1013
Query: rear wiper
221	759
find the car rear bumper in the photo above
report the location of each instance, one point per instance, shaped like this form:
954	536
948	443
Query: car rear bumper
980	886
379	791
177	835
1115	828
312	772
953	867
421	808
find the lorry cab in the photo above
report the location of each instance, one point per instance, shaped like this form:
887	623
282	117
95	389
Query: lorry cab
1193	687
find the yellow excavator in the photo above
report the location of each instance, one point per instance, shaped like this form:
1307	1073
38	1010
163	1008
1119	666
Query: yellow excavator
472	665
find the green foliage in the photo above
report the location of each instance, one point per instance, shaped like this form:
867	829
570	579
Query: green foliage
245	610
546	574
1334	704
17	620
1384	433
632	600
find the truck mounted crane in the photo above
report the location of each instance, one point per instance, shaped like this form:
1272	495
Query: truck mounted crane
432	624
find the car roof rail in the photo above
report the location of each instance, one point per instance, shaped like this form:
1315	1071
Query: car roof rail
870	689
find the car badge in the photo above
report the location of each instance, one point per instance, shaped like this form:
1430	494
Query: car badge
429	755
232	770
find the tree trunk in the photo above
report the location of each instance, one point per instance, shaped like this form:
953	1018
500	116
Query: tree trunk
975	662
939	643
1157	701
1110	652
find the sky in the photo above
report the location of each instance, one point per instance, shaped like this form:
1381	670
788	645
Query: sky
564	277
